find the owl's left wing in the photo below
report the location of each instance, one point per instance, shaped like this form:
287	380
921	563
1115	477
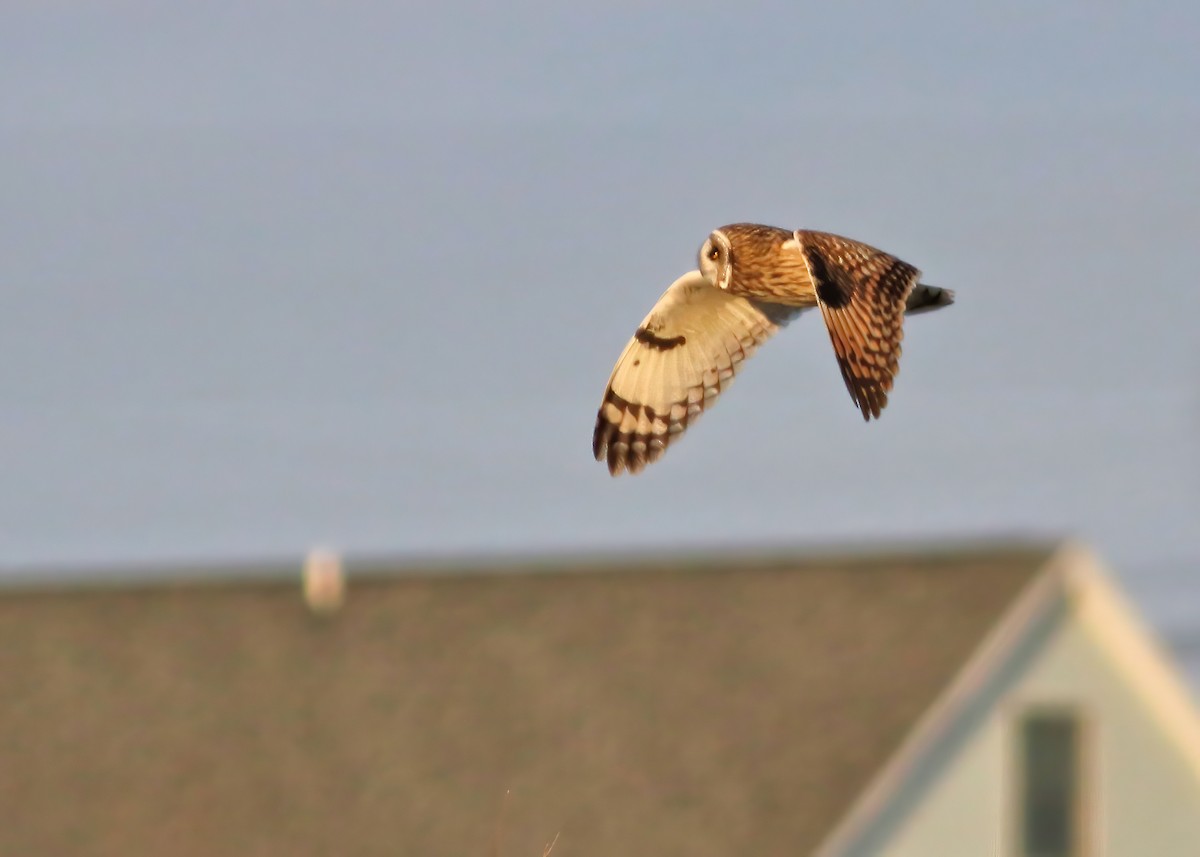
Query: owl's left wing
682	356
862	294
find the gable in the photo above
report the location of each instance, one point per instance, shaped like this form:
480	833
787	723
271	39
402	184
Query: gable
1083	657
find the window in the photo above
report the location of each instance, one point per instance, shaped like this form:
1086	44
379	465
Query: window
1051	789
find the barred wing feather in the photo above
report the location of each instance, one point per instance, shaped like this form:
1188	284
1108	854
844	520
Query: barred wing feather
684	354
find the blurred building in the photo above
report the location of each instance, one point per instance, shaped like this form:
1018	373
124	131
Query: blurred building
978	701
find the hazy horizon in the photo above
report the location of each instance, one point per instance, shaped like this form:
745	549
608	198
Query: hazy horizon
279	275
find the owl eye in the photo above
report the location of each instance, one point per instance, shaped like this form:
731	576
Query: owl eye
714	254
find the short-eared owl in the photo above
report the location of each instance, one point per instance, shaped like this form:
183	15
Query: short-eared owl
752	280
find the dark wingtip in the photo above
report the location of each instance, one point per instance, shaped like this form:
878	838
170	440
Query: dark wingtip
599	436
871	404
618	459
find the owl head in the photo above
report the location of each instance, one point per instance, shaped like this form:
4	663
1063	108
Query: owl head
716	260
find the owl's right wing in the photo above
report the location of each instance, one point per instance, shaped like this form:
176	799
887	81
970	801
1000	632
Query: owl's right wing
682	356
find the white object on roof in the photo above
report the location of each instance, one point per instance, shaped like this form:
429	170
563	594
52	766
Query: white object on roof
324	581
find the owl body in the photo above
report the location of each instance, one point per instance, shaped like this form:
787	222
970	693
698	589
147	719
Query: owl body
755	261
787	267
753	279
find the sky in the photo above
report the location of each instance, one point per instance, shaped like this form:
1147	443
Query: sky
275	275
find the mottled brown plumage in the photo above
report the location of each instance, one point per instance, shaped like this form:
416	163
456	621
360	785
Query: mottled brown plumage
863	294
763	267
752	280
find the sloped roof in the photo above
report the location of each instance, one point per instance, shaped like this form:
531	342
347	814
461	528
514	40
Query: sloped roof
732	706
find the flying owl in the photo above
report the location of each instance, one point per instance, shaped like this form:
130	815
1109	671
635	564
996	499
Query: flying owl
752	281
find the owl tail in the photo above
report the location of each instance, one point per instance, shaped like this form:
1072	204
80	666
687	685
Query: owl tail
924	298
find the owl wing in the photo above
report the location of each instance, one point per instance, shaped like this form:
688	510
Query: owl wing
682	356
862	294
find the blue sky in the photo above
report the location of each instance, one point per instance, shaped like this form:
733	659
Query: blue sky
279	274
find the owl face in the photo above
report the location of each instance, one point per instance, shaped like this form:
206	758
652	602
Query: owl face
716	260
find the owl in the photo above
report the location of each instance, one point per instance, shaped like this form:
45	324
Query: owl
753	280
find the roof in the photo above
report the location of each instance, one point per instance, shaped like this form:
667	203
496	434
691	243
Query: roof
734	705
1074	586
